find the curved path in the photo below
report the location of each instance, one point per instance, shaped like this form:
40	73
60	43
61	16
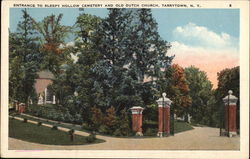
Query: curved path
200	138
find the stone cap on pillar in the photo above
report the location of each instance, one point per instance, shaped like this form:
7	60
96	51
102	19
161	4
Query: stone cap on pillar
137	110
230	99
164	101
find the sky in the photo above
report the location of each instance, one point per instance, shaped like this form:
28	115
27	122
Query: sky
205	38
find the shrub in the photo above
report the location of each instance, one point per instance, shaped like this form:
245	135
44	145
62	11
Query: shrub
97	118
151	132
78	119
117	132
54	127
25	120
91	138
103	129
149	124
71	131
110	120
68	117
39	123
123	125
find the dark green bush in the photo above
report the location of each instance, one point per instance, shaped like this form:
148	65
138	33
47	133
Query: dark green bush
39	123
71	131
91	138
25	120
54	127
151	132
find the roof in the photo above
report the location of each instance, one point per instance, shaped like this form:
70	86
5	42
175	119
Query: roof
45	74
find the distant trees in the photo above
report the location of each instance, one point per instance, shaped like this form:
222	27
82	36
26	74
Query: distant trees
201	94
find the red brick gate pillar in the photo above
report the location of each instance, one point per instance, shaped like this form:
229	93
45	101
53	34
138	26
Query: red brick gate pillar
163	116
137	120
230	114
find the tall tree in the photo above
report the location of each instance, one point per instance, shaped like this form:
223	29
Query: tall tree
180	96
24	59
52	35
80	75
228	79
125	63
200	92
149	51
111	69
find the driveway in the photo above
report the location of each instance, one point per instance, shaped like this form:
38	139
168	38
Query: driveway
200	138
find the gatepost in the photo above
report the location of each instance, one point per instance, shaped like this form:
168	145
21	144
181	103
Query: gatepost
163	115
137	120
230	114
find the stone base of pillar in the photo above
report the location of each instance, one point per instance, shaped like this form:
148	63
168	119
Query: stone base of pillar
160	134
232	134
139	134
225	133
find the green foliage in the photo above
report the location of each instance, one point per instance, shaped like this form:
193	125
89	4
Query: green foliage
24	59
150	113
54	113
71	131
97	118
202	95
39	123
178	90
110	119
91	138
52	35
228	79
25	120
54	127
123	126
124	64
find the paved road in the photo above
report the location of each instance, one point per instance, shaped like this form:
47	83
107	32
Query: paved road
200	138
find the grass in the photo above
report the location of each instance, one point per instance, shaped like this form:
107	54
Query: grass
51	122
44	135
151	127
180	126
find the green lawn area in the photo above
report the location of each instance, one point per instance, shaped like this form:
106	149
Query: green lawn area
150	128
44	135
181	126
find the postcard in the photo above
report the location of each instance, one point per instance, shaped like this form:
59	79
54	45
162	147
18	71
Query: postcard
125	79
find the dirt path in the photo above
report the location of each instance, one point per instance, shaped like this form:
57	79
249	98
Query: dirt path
200	138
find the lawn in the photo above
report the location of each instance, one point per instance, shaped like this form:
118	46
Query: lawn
180	126
45	135
150	128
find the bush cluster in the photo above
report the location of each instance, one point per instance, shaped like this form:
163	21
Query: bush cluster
56	113
39	123
25	120
54	127
110	122
91	138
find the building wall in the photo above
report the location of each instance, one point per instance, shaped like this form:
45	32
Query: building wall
41	84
